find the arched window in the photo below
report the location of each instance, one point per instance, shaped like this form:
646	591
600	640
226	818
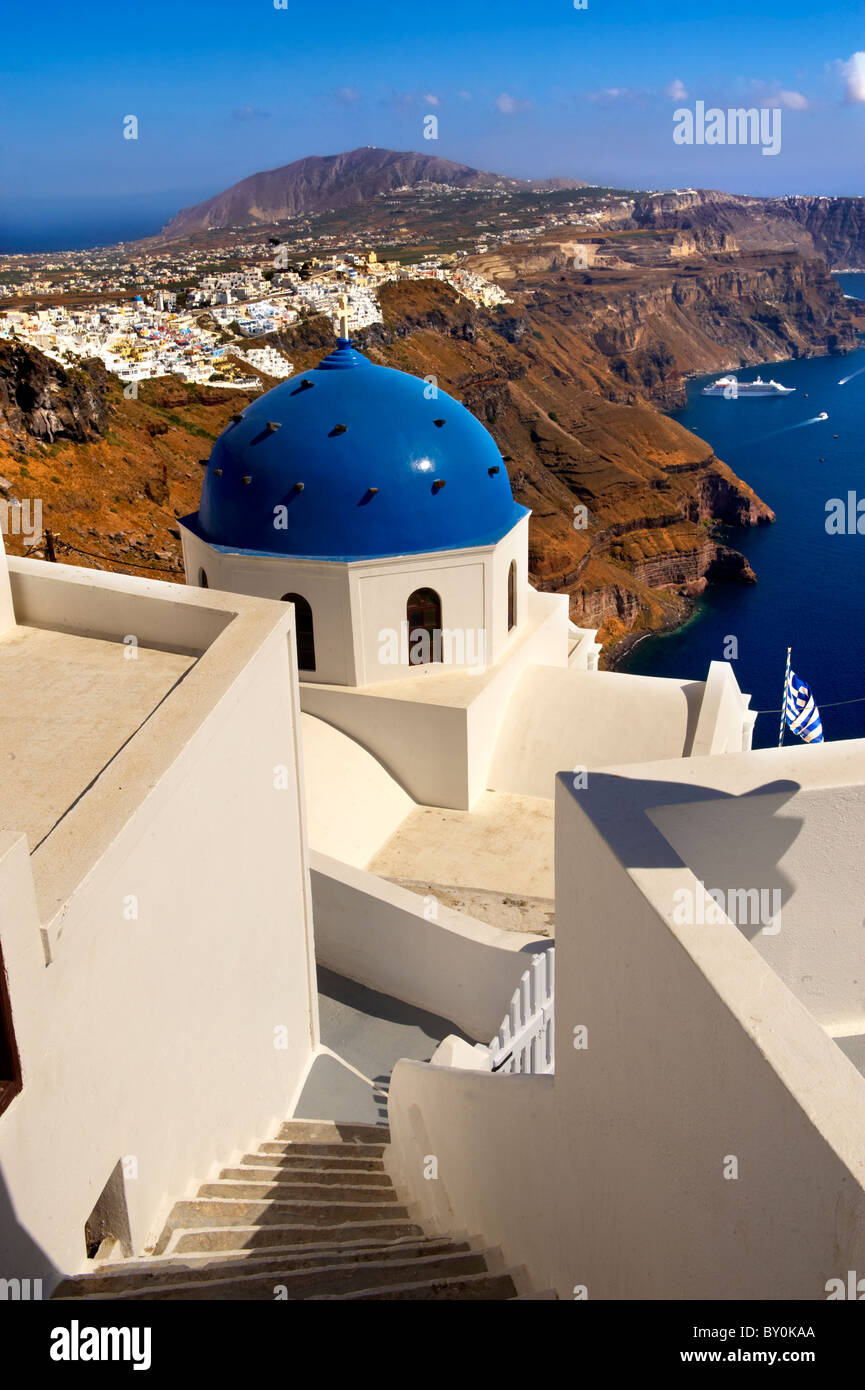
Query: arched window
202	579
303	631
512	595
424	614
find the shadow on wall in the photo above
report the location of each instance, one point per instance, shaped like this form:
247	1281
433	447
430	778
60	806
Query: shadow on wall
26	1272
640	841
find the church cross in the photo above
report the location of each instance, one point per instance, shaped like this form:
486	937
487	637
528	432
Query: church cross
343	316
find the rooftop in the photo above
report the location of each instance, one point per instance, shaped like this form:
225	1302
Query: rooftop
504	844
69	704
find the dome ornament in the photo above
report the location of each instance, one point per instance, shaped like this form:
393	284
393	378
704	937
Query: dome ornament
342	321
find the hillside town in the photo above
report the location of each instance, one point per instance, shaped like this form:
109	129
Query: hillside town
154	308
198	334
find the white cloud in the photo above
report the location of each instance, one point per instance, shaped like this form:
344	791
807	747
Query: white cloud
677	90
854	78
791	101
431	99
772	95
611	94
508	104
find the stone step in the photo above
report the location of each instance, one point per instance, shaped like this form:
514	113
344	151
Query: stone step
535	1297
228	1211
347	1161
324	1150
464	1287
241	1238
335	1280
275	1261
291	1190
295	1175
334	1132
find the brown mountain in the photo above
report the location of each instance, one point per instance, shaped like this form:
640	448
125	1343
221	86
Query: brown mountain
322	182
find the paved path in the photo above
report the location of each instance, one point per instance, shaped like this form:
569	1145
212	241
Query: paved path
368	1032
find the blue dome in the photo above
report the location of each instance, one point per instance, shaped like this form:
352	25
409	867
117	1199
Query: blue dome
352	462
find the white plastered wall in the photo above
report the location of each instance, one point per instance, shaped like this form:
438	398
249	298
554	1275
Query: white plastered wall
695	1052
356	604
325	586
152	1039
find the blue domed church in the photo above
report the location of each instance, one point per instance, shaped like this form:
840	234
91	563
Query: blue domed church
429	666
381	508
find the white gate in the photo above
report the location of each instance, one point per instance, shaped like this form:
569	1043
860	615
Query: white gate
525	1040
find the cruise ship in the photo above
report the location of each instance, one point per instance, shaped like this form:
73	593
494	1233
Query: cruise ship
731	388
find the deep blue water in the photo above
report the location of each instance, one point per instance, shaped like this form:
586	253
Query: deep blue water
810	583
69	224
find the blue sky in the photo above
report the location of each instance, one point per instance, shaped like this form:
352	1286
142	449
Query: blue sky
224	89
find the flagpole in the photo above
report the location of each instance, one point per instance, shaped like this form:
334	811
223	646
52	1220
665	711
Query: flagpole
784	701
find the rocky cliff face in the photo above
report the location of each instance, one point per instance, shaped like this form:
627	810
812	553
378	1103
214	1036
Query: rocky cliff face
624	501
836	227
715	313
626	505
42	399
833	228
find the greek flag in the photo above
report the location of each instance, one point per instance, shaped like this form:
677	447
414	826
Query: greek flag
802	715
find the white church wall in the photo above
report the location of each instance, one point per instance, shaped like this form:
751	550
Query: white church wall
414	948
591	719
440	752
324	585
513	547
352	803
707	1109
422	746
176	1015
359	608
541	641
381	588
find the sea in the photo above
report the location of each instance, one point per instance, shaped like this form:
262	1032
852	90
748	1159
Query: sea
809	590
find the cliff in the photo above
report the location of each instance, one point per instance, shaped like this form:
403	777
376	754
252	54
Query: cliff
42	399
832	228
628	508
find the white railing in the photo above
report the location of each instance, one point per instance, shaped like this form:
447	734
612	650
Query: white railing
524	1043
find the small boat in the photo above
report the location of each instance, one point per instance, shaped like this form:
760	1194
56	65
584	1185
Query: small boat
731	388
824	416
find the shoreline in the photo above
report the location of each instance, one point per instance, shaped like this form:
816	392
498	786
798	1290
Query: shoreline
616	654
613	657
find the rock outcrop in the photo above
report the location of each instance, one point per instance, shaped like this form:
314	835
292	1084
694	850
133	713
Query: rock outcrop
46	401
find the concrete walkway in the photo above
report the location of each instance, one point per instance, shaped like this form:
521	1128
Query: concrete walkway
365	1034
